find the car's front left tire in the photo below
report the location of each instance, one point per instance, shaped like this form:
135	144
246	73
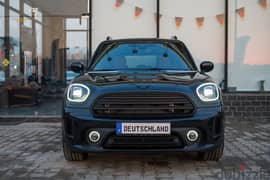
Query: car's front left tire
71	155
214	155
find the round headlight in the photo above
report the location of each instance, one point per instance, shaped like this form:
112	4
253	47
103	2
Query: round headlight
77	93
208	92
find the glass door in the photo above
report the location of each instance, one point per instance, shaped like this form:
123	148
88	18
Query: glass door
38	41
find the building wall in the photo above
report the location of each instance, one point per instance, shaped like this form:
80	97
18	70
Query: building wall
247	106
121	22
206	42
249	42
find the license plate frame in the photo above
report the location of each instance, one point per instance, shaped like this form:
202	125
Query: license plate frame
141	129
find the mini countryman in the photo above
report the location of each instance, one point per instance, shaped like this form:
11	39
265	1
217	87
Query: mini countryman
143	95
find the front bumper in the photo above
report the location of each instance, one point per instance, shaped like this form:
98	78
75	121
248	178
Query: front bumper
77	123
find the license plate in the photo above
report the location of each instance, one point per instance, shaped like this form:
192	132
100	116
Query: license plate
143	128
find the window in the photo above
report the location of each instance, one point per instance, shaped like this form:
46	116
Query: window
27	22
2	21
27	10
76	40
39	16
77	46
14	28
2	35
15	4
35	49
39	39
75	24
142	56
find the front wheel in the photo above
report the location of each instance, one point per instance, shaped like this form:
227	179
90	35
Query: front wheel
72	155
214	155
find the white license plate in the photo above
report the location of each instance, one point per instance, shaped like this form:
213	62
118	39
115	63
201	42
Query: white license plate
143	128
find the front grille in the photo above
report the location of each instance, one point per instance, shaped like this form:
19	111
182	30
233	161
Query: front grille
143	105
138	142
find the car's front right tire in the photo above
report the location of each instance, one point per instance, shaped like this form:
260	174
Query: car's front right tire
72	155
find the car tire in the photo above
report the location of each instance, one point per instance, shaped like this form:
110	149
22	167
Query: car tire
214	155
72	155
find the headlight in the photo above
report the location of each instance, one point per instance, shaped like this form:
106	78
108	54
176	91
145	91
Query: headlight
77	93
208	92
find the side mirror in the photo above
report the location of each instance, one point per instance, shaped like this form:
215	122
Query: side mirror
77	67
206	66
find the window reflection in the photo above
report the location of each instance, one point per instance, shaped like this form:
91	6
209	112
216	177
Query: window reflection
76	42
36	47
14	44
2	21
14	4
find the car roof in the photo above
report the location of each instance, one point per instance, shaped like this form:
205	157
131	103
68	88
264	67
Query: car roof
142	40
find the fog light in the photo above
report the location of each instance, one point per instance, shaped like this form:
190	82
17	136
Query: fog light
94	136
192	135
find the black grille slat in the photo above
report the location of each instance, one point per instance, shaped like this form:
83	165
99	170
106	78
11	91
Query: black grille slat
143	105
142	101
142	108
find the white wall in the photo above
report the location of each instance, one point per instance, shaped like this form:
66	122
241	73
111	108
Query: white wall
121	22
250	62
205	43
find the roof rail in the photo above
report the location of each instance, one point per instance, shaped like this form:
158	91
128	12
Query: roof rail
108	38
174	38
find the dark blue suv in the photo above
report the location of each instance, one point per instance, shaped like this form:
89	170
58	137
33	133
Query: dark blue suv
143	95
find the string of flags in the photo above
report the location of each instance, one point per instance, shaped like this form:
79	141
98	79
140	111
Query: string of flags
199	20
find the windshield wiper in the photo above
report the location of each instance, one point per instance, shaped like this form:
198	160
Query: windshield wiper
104	72
179	72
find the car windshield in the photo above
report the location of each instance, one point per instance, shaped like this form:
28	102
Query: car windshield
142	56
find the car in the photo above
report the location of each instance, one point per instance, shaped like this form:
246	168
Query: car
143	95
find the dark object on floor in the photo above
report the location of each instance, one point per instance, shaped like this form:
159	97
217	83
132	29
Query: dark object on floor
22	96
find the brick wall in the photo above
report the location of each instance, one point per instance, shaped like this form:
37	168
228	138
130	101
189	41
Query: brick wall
247	106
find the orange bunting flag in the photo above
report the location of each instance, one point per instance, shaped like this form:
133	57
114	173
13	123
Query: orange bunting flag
220	19
138	11
241	12
200	21
263	4
178	21
156	17
2	54
118	3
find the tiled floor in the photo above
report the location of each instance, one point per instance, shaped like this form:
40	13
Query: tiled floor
33	150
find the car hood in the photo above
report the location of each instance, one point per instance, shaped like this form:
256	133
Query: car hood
101	79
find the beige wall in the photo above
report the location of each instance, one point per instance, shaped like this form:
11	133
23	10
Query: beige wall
249	46
205	43
121	22
53	28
